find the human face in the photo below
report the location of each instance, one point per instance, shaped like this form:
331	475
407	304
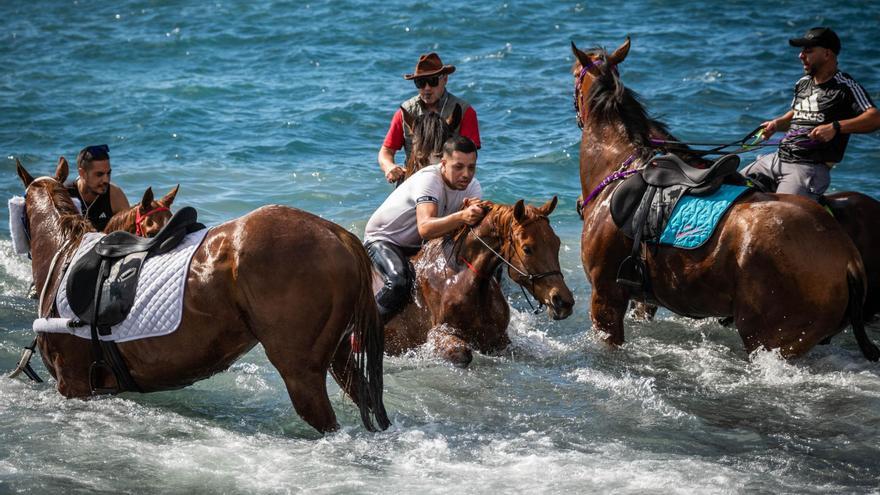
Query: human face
430	95
97	179
814	59
458	169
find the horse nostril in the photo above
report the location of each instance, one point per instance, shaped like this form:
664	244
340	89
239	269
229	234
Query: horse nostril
557	301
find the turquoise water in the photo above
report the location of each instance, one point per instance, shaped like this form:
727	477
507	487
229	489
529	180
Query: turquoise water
261	102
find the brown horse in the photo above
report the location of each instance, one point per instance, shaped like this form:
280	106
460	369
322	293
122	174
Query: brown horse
859	215
458	305
778	264
293	282
145	218
429	131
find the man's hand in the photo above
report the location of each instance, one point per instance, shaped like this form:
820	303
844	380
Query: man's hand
472	214
769	129
823	133
395	174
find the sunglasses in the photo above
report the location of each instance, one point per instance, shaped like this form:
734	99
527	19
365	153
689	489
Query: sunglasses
432	81
98	149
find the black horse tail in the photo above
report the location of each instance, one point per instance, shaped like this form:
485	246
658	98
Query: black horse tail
855	278
369	335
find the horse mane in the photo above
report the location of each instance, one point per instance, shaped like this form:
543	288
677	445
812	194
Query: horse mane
71	222
609	100
430	131
500	215
121	219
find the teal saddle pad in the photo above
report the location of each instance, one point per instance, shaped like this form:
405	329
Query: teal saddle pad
695	217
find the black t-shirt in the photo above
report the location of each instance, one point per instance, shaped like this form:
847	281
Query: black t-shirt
839	98
99	211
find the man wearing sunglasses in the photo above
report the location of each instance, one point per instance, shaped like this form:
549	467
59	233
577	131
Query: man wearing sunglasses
100	198
430	79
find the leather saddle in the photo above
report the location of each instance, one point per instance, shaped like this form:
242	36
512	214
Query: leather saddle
101	285
642	205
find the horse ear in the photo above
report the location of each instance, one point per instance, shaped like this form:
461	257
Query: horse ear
147	200
169	198
549	206
455	119
620	54
408	119
62	170
26	178
519	211
581	56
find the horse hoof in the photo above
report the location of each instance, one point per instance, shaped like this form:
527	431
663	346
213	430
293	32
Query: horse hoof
460	358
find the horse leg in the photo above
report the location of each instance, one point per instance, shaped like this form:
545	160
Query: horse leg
642	311
305	377
607	311
450	347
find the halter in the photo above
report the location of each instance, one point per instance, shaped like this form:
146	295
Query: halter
139	219
579	81
530	278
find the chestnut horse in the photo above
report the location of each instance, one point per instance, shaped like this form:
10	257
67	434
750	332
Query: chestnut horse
293	282
429	131
458	305
778	264
146	218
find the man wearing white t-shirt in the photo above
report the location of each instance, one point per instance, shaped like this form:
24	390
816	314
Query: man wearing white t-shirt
435	201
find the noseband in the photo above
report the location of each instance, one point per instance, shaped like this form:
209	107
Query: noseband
139	219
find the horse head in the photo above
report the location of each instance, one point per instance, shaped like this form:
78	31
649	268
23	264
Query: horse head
48	205
152	215
429	131
590	66
531	250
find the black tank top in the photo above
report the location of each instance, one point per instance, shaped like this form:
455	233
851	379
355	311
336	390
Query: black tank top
99	212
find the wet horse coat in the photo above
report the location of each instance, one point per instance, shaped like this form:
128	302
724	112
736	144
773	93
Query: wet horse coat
458	305
778	264
293	282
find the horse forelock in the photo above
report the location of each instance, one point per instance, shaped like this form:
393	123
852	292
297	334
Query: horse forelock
430	131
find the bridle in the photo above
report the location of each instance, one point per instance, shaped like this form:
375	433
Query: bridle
530	278
579	82
139	219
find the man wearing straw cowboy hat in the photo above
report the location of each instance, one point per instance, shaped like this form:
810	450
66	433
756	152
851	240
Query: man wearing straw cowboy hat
430	78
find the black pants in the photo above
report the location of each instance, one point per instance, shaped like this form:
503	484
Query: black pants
392	261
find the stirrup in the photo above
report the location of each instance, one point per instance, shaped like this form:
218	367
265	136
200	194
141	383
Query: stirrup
94	368
24	365
631	273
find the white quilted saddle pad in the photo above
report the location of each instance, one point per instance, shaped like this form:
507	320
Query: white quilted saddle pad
158	304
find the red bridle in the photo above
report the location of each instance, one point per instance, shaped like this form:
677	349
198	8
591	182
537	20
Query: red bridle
139	219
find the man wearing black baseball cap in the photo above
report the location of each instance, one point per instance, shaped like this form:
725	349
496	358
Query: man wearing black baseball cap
828	106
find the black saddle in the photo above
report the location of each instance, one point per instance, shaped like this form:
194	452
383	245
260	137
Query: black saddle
642	205
103	281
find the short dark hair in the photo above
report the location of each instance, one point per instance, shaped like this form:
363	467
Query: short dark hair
90	154
461	144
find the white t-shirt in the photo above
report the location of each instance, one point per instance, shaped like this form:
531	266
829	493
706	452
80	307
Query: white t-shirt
395	220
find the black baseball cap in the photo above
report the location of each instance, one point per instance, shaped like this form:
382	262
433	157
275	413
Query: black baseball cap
818	36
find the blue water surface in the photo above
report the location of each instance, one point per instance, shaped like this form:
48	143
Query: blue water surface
250	103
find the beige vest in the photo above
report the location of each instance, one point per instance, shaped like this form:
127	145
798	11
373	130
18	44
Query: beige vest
414	107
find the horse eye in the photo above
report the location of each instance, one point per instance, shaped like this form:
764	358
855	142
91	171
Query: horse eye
527	250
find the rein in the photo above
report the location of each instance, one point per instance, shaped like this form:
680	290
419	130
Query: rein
531	278
139	219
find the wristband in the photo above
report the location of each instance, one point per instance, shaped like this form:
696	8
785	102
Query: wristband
836	126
